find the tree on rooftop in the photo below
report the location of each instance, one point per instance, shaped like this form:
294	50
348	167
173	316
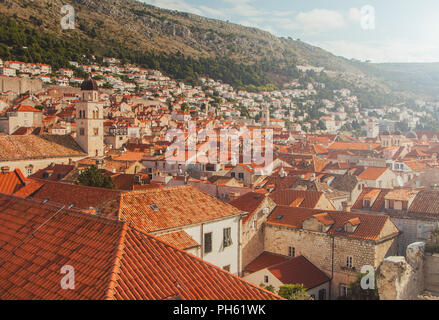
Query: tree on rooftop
293	292
92	177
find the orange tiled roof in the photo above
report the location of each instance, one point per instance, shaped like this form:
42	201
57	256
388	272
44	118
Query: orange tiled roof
111	260
416	165
287	197
174	207
370	226
56	172
81	197
265	260
248	202
130	156
24	108
371	193
372	173
354	146
179	239
164	208
12	181
34	147
324	218
426	202
299	270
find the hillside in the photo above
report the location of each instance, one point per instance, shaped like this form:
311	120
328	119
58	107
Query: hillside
182	45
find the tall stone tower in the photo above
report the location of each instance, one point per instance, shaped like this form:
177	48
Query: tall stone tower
266	114
90	120
372	129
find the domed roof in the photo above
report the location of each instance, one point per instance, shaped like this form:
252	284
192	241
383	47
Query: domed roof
89	85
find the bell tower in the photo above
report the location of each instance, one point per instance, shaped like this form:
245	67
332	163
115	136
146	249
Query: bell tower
266	115
90	120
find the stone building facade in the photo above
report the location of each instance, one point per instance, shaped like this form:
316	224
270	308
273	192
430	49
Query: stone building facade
340	254
253	231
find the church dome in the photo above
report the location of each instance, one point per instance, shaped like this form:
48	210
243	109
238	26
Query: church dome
89	85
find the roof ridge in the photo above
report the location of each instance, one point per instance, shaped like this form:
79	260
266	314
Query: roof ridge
155	190
75	185
112	282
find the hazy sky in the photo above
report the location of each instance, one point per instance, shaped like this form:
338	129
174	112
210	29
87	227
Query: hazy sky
405	30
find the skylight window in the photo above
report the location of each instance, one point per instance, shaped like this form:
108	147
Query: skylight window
154	207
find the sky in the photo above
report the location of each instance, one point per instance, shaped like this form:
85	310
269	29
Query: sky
375	30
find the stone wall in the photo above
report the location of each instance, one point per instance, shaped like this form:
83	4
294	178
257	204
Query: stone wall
431	273
20	85
317	248
253	239
413	230
402	278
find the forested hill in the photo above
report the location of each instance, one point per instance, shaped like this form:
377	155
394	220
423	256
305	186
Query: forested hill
182	45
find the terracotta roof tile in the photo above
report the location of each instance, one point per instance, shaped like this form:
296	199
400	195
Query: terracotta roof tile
353	146
165	208
324	218
265	260
111	260
287	197
371	194
12	181
426	202
299	270
372	173
81	196
35	147
179	239
249	203
369	228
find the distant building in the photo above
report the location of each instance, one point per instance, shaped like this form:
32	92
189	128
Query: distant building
373	129
20	116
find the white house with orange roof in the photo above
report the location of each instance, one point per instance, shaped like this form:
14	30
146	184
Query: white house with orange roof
20	116
377	177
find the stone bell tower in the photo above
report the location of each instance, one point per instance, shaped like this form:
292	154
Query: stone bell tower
90	120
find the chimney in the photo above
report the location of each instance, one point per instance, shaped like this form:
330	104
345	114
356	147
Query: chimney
5	169
346	206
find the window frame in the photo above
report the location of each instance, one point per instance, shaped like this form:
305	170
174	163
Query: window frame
291	251
227	237
205	247
349	262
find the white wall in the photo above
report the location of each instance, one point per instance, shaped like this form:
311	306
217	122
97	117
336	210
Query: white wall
219	256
